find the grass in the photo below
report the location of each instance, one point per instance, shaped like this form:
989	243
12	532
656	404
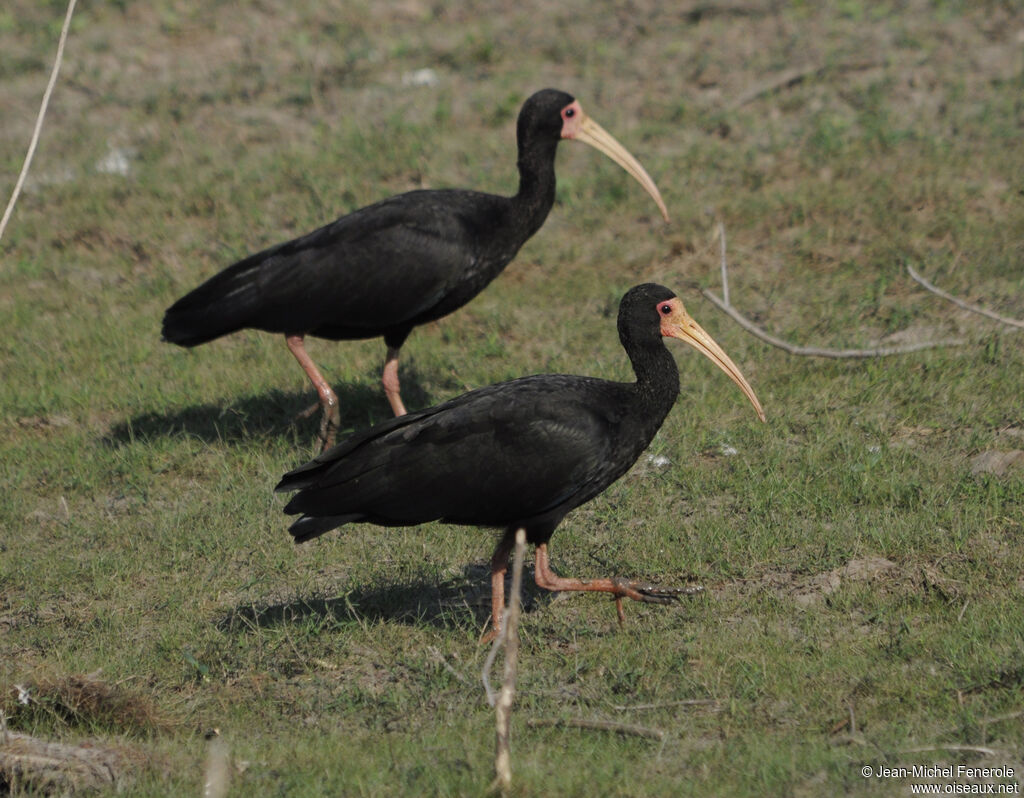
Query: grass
855	566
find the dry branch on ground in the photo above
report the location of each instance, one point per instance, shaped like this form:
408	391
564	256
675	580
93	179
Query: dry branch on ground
627	729
807	351
29	763
509	640
961	303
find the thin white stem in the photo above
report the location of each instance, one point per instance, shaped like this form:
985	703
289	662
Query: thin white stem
39	119
725	268
502	703
960	303
807	351
814	351
975	749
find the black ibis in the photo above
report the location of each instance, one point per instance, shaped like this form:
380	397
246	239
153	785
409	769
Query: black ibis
386	268
516	454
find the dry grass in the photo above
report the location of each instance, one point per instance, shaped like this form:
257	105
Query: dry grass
862	571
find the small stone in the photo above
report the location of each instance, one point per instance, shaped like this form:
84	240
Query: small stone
866	568
117	161
997	463
421	77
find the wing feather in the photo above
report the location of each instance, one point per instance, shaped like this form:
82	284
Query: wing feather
490	457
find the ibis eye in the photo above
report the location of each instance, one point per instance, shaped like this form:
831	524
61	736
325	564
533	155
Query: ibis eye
570	112
665	309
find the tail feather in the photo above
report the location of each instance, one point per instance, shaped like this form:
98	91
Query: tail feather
304	479
350	497
307	528
221	305
358	480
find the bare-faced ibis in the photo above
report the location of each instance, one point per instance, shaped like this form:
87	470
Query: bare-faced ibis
401	262
517	454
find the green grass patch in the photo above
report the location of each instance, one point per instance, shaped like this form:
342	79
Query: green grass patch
863	580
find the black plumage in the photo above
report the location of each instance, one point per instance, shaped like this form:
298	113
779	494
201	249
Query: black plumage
386	268
517	454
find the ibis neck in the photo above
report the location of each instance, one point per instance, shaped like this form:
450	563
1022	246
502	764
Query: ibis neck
536	183
657	381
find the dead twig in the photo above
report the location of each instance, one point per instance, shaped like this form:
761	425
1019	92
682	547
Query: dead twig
725	266
807	351
686	702
814	351
440	658
1000	718
960	303
791	77
628	729
976	749
849	722
783	80
39	118
839	725
985	722
502	703
59	768
217	774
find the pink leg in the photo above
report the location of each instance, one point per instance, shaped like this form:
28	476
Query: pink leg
499	565
618	587
328	399
390	381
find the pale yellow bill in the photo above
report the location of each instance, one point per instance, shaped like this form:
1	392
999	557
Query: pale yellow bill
682	326
596	136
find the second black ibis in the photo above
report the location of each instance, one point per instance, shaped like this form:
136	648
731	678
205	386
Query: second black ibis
516	454
386	268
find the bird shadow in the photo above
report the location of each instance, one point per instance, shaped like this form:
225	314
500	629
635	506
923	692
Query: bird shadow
273	414
463	602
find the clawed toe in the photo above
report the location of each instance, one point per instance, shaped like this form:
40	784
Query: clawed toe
654	594
488	636
328	432
302	415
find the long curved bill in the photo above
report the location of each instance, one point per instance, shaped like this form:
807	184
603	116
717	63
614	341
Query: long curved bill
596	136
682	326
